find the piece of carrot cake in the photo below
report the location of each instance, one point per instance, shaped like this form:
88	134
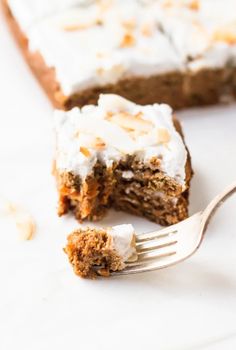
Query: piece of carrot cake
97	47
124	155
99	251
178	52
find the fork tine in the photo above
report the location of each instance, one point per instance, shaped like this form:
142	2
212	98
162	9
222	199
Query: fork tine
145	257
148	257
158	250
137	267
143	248
148	236
144	260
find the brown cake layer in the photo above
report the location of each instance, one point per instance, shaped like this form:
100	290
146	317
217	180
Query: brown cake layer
87	249
207	86
148	193
177	89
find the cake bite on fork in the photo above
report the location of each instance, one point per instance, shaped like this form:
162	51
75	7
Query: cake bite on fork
119	251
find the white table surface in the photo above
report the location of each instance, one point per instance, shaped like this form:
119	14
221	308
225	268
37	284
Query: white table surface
43	305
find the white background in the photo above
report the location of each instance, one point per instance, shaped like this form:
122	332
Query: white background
43	305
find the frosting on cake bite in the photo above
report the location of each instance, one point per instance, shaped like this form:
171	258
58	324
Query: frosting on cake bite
117	128
123	241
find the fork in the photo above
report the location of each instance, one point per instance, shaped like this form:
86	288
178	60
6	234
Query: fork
171	245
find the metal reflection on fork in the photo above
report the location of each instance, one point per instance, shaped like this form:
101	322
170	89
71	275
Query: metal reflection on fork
171	245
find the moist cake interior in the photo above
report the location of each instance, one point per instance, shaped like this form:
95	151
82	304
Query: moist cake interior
148	193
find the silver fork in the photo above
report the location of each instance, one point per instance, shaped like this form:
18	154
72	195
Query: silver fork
171	245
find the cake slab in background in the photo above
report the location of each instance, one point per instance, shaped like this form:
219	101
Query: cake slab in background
179	52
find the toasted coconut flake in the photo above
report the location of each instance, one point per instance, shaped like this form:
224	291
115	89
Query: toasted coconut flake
116	69
25	225
109	115
23	219
104	5
168	3
100	71
226	34
127	41
100	55
147	29
75	27
163	136
194	5
132	123
85	151
77	134
99	22
129	24
99	144
139	115
70	27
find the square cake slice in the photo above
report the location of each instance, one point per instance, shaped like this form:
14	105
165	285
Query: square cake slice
124	155
98	251
79	49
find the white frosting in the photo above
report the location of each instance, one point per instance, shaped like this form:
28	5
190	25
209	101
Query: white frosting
192	31
124	128
28	12
122	240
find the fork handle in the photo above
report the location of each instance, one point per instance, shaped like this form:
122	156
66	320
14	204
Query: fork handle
210	210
